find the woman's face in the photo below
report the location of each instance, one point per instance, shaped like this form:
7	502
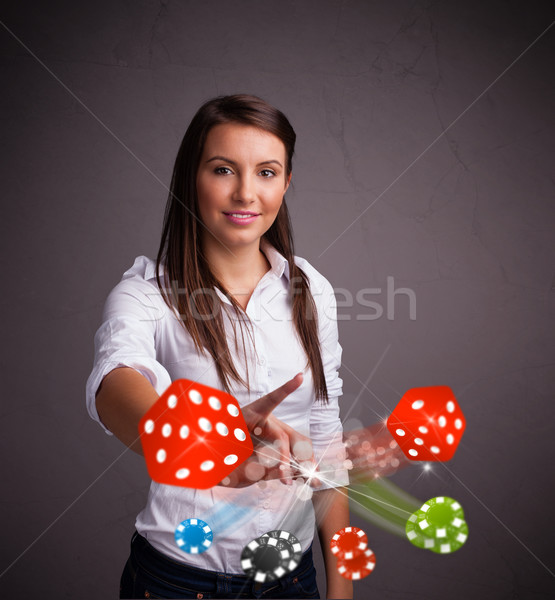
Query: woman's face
241	181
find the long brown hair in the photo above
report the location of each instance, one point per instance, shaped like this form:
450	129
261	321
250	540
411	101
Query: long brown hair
186	267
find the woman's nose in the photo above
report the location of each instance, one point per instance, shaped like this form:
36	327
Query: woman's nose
244	191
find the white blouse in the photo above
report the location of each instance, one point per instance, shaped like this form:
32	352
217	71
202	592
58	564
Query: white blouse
140	331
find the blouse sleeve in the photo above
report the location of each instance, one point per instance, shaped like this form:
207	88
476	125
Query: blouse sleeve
326	430
127	338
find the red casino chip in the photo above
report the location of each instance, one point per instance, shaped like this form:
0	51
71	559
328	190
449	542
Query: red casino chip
348	543
359	567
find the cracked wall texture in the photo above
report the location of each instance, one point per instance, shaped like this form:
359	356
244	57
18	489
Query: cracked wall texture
425	153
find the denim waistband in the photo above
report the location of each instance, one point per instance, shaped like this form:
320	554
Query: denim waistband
147	558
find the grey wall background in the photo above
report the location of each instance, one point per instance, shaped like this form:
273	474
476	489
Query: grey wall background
91	125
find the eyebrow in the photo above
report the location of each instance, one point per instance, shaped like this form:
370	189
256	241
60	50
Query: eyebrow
232	162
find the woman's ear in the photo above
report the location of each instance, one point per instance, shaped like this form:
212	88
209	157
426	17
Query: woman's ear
287	182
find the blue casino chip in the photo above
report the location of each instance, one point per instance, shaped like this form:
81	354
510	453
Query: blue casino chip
193	536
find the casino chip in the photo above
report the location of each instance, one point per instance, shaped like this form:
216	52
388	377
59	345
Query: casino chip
285	540
450	544
348	543
193	536
415	535
271	556
359	567
438	526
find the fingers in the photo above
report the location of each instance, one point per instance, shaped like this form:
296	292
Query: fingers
265	405
302	456
266	464
276	430
289	449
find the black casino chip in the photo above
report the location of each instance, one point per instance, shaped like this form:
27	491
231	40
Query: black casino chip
271	556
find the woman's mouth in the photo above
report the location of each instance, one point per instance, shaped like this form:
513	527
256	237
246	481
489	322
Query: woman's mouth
241	218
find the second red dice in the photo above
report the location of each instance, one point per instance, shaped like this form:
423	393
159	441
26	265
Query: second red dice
428	423
194	436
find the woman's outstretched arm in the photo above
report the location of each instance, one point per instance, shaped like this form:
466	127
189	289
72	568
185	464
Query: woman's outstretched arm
122	399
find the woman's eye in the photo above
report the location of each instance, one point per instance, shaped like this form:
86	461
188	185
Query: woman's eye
222	170
267	173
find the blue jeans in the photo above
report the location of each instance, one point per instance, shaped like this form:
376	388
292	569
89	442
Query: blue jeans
150	574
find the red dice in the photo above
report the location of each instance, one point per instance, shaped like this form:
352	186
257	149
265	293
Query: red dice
428	423
194	436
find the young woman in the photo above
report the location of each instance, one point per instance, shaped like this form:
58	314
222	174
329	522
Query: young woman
228	304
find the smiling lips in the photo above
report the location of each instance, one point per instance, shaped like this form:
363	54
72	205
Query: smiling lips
241	218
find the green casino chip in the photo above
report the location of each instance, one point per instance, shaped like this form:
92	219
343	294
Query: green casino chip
452	541
415	535
439	513
442	520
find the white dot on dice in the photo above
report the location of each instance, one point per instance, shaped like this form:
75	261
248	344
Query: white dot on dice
450	406
458	424
207	465
417	404
182	473
195	397
184	432
205	424
240	435
400	432
172	401
167	430
149	426
442	421
423	429
435	449
222	429
413	452
450	438
230	459
214	403
418	441
232	410
161	455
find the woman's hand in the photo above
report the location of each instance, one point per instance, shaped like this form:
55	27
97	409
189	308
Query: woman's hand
280	452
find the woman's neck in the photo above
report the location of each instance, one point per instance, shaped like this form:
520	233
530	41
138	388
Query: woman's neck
239	268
